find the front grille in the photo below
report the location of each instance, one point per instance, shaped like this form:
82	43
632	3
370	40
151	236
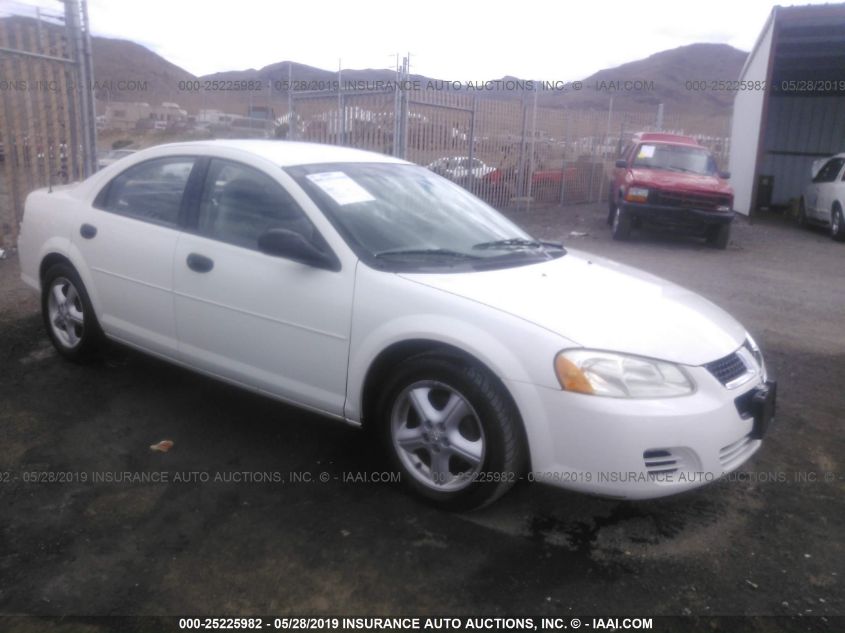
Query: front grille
728	368
688	200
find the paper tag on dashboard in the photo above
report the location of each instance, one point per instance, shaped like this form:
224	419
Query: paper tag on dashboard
646	151
340	187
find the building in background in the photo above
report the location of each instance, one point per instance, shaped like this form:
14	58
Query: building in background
789	109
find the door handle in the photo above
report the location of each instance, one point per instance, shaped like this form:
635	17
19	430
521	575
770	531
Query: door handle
87	231
200	263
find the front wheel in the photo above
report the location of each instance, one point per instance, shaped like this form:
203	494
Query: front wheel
621	227
452	431
837	224
719	235
68	314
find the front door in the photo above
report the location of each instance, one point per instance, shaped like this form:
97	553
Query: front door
260	320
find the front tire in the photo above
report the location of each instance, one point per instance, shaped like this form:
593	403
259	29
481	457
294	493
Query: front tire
621	226
837	224
452	431
68	315
719	236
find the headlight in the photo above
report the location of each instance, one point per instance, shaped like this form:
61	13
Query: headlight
637	194
751	345
619	375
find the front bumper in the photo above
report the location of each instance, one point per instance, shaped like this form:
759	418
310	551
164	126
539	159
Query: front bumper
677	217
637	449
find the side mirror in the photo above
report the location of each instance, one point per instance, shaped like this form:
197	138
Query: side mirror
622	163
724	175
293	246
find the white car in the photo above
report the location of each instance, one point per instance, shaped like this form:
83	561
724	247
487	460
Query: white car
376	292
112	156
824	198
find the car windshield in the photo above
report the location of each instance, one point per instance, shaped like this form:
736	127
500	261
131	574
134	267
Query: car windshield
397	216
696	160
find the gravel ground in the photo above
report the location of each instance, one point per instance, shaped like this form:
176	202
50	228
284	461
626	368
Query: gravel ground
768	543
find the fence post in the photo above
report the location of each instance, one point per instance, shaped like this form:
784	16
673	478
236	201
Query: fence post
81	47
520	170
529	176
471	151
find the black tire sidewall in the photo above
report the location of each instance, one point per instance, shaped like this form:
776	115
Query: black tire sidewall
495	413
839	236
91	334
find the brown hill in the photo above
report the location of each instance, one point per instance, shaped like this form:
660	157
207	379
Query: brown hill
677	75
666	76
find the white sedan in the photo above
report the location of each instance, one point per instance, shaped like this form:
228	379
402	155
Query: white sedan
824	198
376	292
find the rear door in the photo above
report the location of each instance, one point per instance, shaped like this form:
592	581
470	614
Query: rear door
127	238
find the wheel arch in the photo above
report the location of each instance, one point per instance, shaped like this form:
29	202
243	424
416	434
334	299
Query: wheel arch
400	351
53	254
50	260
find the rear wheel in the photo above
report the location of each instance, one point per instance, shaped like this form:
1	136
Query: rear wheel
452	432
719	235
621	226
837	224
68	314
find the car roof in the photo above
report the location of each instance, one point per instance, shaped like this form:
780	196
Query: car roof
289	153
660	137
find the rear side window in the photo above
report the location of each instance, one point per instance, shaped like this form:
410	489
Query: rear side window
150	191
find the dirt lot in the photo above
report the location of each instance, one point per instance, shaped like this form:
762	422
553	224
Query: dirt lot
767	543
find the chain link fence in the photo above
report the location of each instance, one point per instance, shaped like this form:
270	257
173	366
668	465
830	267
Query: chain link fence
508	151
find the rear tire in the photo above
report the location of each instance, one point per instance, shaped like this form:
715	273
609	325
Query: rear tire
837	224
68	314
719	236
621	225
451	430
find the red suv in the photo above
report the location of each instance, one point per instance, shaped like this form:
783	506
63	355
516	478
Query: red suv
670	181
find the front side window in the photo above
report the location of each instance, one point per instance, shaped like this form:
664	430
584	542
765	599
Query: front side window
150	191
398	216
239	204
830	170
696	160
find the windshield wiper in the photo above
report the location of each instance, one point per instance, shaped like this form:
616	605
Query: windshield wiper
517	242
426	252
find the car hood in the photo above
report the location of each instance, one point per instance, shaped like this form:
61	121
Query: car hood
600	304
680	181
